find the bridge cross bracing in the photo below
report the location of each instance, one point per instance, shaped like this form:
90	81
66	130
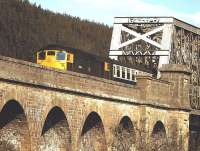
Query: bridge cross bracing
155	41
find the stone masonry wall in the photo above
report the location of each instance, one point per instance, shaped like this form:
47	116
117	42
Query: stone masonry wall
37	103
90	109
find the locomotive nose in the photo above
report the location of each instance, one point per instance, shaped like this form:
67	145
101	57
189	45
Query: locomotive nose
49	59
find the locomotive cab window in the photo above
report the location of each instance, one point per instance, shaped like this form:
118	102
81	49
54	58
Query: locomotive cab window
41	55
51	53
60	55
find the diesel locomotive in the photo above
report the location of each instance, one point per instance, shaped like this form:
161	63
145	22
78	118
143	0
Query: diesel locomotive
71	59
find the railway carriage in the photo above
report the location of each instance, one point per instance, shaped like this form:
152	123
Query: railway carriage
71	59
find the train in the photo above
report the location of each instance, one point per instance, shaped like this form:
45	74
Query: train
76	60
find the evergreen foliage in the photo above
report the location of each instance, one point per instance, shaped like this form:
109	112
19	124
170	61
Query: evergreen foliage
25	28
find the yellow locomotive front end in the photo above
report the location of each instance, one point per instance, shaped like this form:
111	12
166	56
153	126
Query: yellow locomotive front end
54	58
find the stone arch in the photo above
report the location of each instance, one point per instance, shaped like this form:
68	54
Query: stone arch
55	134
8	95
159	128
159	137
93	134
14	129
124	135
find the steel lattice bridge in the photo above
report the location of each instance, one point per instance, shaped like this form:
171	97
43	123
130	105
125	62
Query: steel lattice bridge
151	42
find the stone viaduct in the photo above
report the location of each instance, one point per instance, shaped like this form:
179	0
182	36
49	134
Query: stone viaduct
43	109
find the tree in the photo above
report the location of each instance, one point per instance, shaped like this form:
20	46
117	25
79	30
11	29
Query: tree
26	27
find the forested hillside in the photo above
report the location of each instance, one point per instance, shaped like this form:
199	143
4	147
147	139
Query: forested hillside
25	28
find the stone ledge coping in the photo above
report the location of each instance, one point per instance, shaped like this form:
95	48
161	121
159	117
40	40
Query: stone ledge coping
175	68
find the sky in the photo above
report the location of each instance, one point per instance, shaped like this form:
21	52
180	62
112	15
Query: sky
104	11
